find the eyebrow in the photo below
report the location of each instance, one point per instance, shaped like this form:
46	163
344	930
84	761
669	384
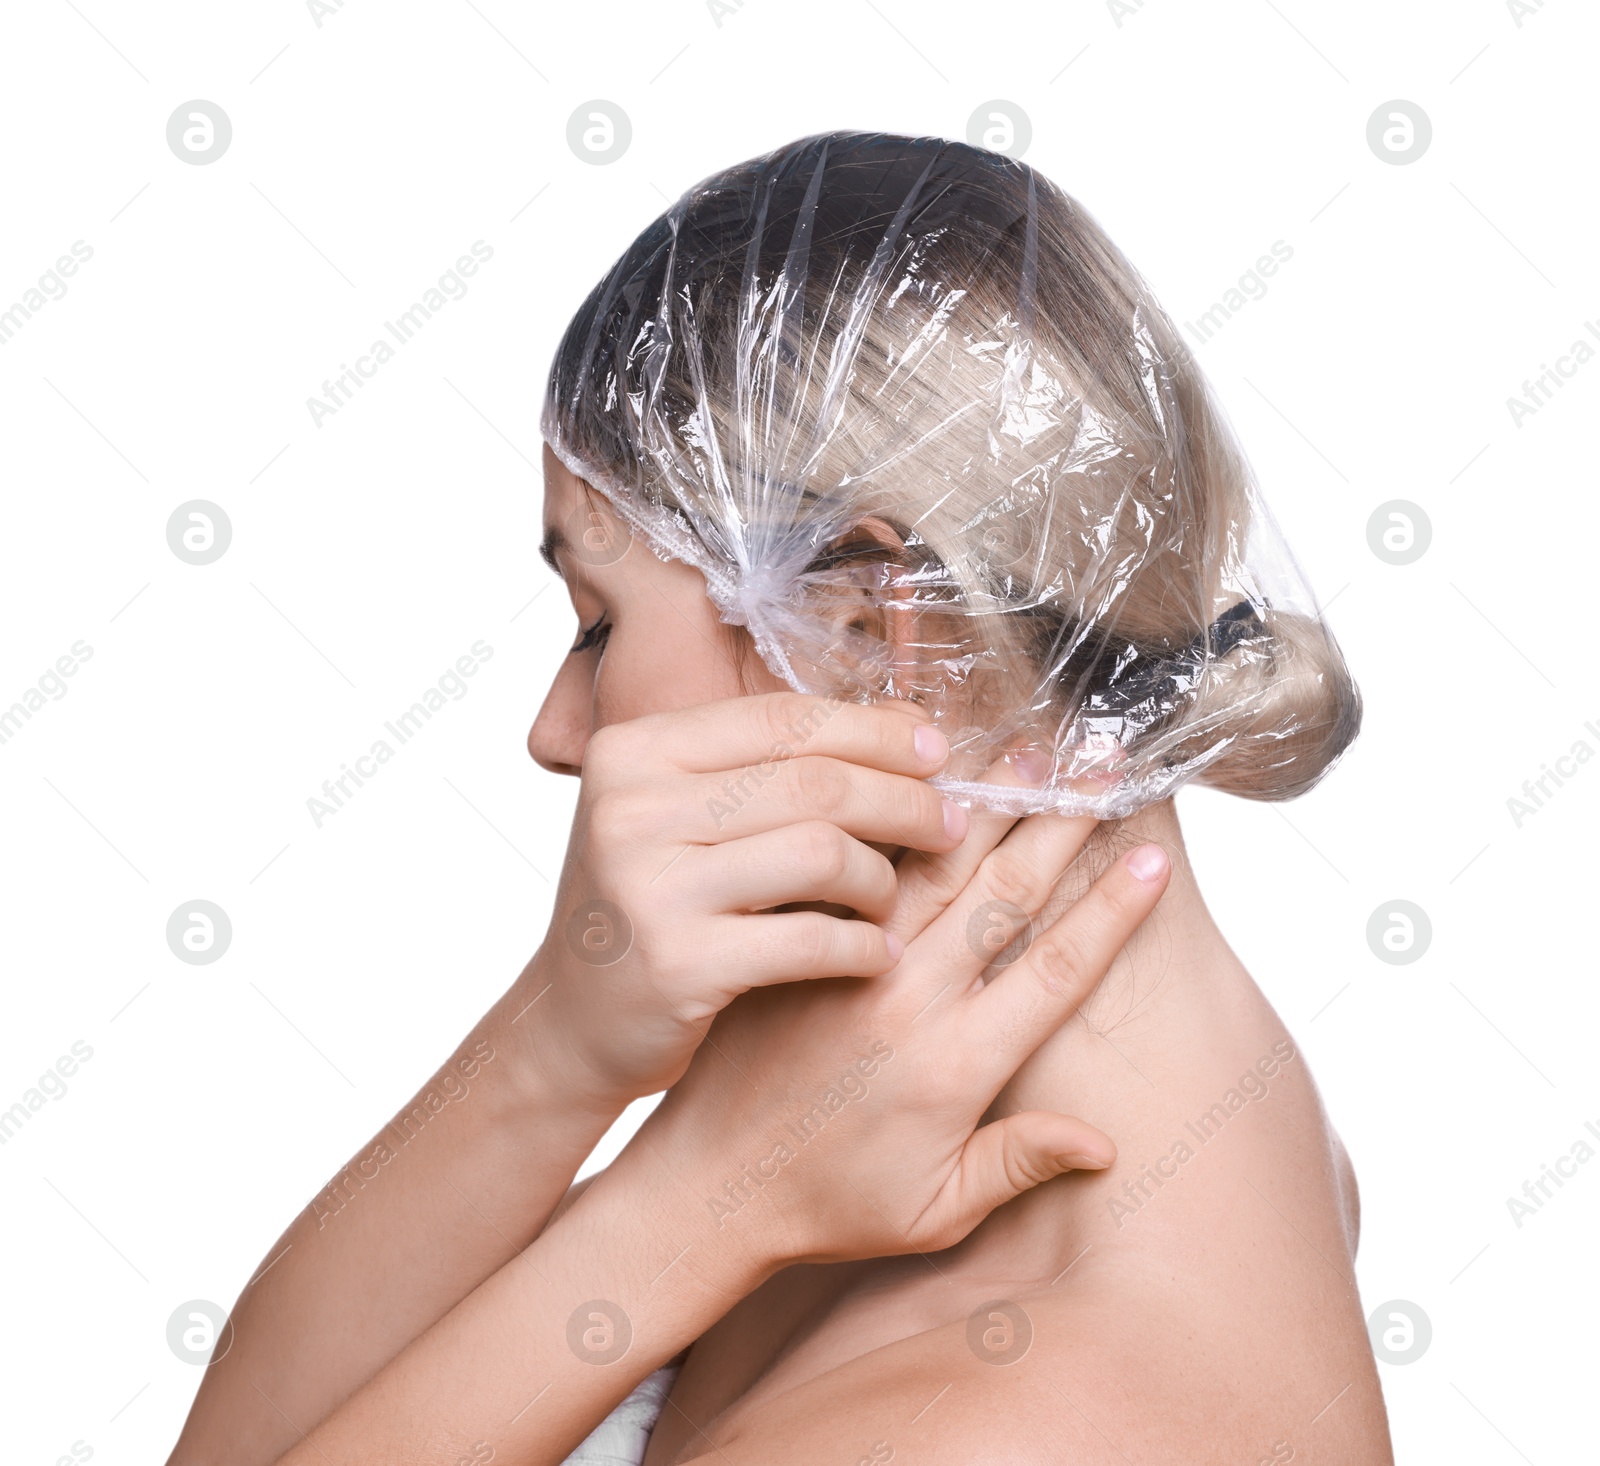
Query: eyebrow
551	546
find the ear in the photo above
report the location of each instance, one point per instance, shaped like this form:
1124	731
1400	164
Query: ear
864	591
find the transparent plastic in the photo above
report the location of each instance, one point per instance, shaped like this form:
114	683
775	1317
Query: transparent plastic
927	434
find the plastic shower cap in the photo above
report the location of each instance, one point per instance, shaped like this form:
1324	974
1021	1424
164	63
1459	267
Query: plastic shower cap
927	435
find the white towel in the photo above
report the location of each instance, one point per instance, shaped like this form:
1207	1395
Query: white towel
621	1438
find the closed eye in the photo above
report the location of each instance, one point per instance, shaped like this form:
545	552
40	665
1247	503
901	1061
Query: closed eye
591	637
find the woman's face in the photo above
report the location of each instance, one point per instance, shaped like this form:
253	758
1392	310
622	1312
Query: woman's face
649	639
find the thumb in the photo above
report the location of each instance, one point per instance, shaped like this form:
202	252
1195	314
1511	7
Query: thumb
1003	1159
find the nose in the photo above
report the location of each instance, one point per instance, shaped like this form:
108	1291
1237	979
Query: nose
565	722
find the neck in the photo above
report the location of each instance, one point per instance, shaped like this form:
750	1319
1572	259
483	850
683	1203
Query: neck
1169	974
1175	1018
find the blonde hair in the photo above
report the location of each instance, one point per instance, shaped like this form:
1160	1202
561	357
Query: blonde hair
928	434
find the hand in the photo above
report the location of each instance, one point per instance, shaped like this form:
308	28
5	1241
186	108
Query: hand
691	827
836	1120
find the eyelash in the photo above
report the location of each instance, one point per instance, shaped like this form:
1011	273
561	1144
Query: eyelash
592	636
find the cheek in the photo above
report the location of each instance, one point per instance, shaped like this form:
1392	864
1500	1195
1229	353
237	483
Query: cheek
674	662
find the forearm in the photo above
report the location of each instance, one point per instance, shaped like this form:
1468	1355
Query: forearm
529	1363
459	1182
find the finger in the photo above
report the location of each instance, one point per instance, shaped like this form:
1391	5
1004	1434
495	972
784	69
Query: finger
811	861
1043	988
995	912
798	945
1003	1159
887	808
741	732
931	880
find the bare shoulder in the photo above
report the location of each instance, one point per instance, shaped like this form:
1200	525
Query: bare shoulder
1102	1376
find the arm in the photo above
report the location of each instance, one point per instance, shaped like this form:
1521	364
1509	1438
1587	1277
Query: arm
445	1194
538	1354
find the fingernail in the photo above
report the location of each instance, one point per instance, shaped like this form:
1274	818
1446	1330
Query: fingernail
1084	1162
955	821
897	948
1109	773
932	746
1149	863
1032	765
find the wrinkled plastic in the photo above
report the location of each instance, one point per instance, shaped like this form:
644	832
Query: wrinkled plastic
927	435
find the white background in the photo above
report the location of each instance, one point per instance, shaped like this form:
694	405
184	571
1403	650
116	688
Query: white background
368	553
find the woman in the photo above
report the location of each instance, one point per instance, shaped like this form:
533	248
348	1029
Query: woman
892	510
